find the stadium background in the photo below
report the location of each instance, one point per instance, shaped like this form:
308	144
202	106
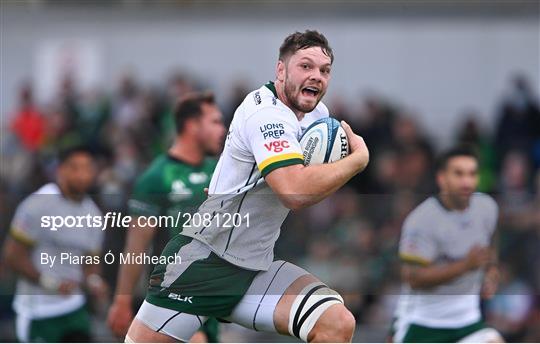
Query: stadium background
411	77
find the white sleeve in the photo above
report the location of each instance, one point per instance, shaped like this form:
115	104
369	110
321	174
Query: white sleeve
271	136
417	243
26	225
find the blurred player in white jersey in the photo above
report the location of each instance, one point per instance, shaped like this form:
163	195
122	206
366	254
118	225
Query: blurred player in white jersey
228	271
50	302
449	259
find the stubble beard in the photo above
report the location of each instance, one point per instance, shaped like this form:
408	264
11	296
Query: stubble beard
293	101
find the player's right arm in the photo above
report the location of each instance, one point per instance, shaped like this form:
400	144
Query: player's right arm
19	245
420	276
418	250
16	255
138	241
299	186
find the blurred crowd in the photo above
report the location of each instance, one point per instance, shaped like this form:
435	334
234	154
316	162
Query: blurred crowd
349	240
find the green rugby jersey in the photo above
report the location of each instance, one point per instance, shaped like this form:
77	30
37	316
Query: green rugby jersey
170	186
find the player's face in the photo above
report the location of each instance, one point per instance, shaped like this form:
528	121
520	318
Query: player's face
211	129
459	179
306	78
78	173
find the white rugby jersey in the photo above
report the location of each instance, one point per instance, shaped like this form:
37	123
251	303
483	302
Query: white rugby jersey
263	136
27	226
434	234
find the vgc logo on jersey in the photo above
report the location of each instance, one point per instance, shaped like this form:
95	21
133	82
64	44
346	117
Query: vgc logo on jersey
277	146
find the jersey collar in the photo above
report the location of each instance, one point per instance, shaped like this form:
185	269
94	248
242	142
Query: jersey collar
270	85
441	203
61	193
180	161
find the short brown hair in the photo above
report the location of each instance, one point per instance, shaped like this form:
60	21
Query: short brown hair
303	40
189	106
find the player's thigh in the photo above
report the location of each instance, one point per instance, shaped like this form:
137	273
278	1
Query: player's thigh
154	323
257	309
285	299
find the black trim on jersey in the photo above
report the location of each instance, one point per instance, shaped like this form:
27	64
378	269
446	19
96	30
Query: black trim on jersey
240	205
202	230
266	291
165	323
250	174
213	215
200	321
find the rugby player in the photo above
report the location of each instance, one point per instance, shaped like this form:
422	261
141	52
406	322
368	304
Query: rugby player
228	269
174	183
449	258
49	301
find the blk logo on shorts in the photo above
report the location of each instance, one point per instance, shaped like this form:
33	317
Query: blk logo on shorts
181	298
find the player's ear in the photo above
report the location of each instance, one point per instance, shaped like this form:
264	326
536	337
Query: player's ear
280	71
191	125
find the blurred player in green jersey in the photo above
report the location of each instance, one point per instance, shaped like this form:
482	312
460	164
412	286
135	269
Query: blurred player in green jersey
174	183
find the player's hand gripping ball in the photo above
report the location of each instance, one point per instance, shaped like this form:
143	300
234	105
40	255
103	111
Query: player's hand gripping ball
324	141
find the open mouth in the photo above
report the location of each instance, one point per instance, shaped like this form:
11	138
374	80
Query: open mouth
310	91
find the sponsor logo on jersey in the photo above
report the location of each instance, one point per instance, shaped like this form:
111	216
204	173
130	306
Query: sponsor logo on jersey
277	146
180	298
274	101
197	177
179	191
272	130
257	98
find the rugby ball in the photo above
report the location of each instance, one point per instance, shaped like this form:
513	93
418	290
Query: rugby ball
324	141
